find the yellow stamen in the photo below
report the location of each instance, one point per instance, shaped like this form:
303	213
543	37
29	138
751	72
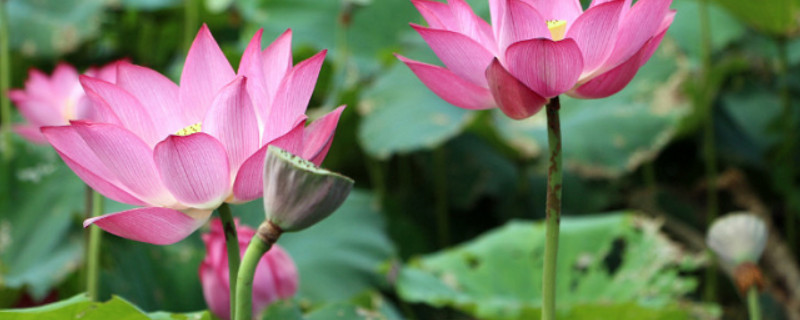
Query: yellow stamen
557	29
195	128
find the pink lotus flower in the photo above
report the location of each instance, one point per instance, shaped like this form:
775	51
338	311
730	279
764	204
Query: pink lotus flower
275	276
535	50
54	100
181	151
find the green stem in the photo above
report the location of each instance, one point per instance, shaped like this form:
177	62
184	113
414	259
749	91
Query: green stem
787	148
553	213
703	101
189	23
5	84
93	254
442	217
232	246
752	303
262	241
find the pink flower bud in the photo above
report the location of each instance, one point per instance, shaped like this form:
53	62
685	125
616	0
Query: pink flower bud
275	278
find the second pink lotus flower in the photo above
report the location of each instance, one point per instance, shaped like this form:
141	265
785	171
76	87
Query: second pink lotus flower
535	50
181	151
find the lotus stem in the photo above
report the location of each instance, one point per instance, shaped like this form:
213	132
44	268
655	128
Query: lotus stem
703	102
93	252
753	306
232	246
553	211
5	84
262	241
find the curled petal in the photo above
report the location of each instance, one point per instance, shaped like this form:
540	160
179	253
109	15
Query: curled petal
461	54
127	157
595	32
450	87
277	62
548	67
195	169
567	10
129	110
318	136
515	99
83	161
251	67
437	14
641	23
160	226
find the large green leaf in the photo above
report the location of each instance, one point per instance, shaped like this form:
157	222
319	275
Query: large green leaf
401	115
338	257
80	307
686	27
776	17
52	27
40	241
611	136
603	260
369	306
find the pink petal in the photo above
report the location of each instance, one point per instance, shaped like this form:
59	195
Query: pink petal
130	112
625	7
215	291
437	14
652	45
98	110
195	169
595	32
17	95
293	96
64	80
38	85
41	112
155	92
107	72
609	82
450	87
205	72
462	55
318	136
83	161
232	121
30	133
471	25
126	156
249	183
160	226
283	270
515	99
547	67
277	62
520	22
641	23
251	66
568	10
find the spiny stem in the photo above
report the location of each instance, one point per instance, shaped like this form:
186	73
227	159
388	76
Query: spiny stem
232	246
753	304
262	241
93	252
553	213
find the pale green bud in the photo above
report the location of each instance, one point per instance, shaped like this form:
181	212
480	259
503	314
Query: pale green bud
297	193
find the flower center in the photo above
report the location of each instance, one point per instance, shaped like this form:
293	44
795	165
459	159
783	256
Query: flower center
195	128
557	29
